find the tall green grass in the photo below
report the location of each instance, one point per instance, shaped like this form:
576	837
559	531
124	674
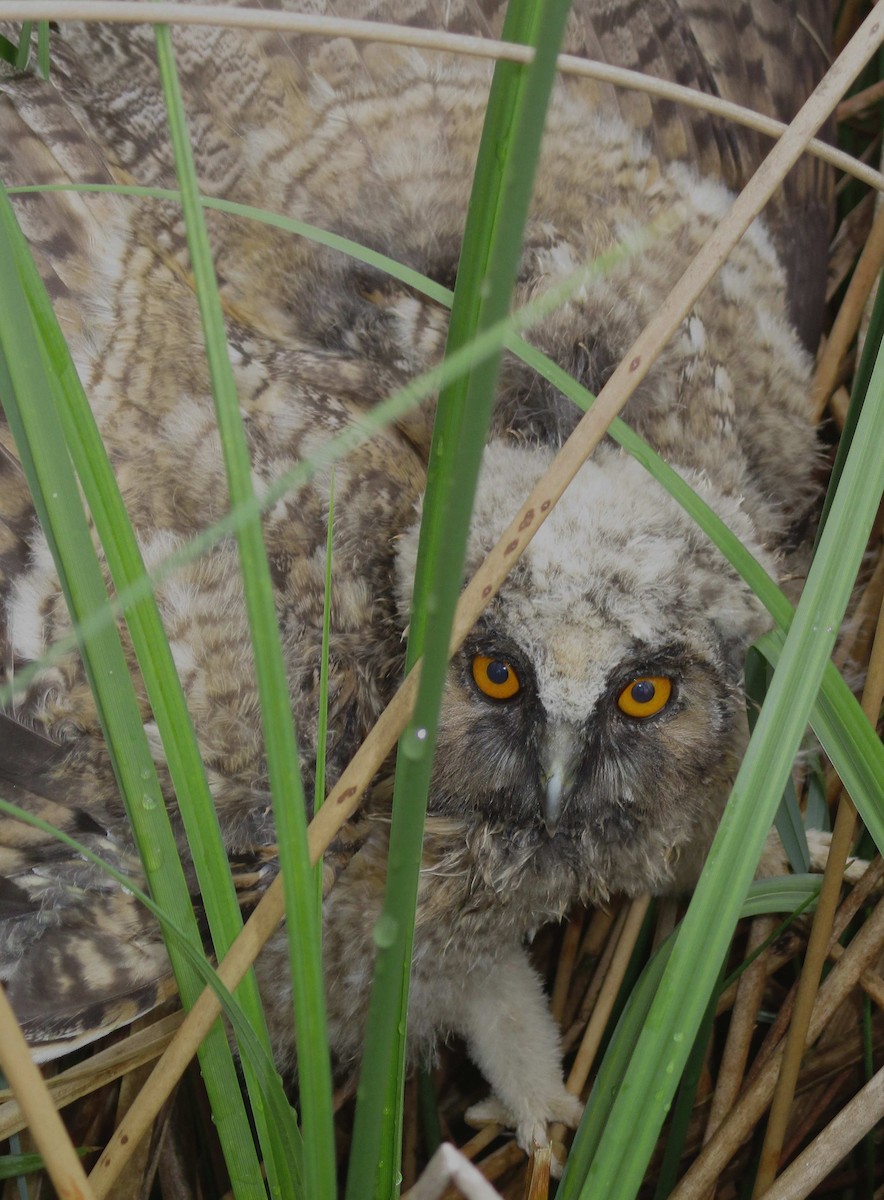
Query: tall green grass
53	428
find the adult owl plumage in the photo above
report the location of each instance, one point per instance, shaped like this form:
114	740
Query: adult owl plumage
593	721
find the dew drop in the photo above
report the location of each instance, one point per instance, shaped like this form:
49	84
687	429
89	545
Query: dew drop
145	773
414	745
385	930
678	1037
149	802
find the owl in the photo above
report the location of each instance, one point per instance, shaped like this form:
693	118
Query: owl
593	720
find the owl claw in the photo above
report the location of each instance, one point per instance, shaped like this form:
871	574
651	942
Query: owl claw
532	1131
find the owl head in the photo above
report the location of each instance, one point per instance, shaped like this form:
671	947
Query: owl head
592	721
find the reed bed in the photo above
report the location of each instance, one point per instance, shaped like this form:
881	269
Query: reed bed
715	1060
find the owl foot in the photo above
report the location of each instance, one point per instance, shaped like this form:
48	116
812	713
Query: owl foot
774	861
532	1130
819	845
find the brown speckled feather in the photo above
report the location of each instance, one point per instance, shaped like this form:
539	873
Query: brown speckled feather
558	795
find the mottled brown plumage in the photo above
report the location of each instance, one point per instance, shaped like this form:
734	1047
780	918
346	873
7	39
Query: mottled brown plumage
537	801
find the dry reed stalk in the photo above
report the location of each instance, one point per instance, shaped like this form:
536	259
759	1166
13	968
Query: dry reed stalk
596	982
344	798
539	1175
860	894
855	642
796	1038
132	12
750	989
591	948
870	981
772	963
478	1142
102	1068
448	1166
866	99
858	1117
496	1165
825	1099
614	977
566	963
744	1116
849	316
667	918
46	1126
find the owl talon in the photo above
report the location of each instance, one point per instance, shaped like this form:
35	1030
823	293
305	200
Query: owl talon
531	1131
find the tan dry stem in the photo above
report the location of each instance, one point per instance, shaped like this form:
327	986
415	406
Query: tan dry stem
477	1143
738	1126
539	1174
854	105
102	1068
870	981
599	975
132	12
853	1122
750	989
849	316
854	643
565	965
820	934
51	1138
824	918
607	996
344	798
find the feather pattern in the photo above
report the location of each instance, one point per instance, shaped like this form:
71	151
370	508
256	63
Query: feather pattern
558	792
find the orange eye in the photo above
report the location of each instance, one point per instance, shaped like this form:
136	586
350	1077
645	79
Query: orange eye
495	678
645	696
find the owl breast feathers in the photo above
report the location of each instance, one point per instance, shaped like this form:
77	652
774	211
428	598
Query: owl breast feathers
593	721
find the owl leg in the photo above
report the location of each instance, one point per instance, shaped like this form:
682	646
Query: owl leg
513	1039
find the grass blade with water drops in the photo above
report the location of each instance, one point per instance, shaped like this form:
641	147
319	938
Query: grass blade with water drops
491	251
612	1160
314	1069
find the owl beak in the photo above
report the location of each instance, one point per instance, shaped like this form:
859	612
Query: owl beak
552	806
558	775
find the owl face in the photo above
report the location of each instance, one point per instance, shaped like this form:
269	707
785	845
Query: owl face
593	718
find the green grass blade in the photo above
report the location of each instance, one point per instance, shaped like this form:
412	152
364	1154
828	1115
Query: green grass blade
43	48
314	1069
322	722
27	391
158	669
793	895
849	740
790	826
677	1131
490	255
631	1129
23	50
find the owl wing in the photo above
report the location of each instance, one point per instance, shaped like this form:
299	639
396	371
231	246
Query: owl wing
79	955
317	341
765	55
